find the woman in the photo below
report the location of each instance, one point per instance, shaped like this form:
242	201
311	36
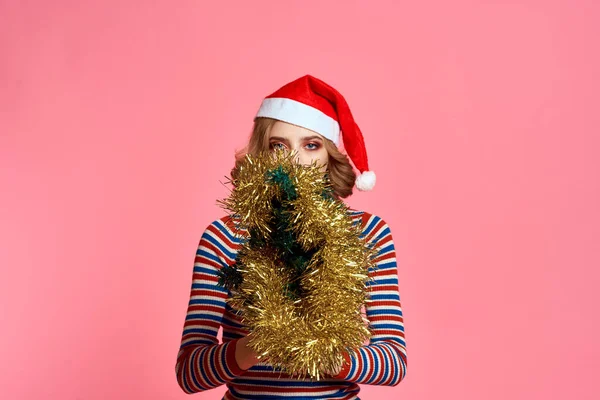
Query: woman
306	116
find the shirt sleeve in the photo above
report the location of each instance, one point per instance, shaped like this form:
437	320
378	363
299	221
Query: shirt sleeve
383	360
202	362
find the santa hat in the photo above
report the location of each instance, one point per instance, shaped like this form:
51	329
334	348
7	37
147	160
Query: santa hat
311	103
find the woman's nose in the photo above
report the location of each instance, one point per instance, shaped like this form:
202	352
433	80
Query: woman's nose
301	158
296	155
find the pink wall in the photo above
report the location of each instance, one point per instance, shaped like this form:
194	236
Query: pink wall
118	119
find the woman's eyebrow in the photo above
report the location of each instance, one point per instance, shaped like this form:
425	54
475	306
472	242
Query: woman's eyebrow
303	138
279	138
312	137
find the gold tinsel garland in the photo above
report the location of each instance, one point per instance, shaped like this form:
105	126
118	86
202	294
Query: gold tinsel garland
308	335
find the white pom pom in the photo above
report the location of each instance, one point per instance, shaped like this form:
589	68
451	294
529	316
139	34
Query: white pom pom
365	181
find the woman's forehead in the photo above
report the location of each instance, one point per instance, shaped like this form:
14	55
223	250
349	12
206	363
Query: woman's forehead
286	130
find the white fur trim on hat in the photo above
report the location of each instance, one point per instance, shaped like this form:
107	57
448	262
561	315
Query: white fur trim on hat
365	181
300	114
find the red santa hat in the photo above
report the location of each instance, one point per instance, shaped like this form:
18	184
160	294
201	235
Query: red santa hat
311	103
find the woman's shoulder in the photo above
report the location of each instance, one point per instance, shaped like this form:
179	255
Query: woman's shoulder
366	219
226	226
374	228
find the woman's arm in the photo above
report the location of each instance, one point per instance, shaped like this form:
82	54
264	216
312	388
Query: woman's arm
383	360
203	363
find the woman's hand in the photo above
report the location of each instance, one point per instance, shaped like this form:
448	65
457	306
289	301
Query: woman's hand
334	371
244	355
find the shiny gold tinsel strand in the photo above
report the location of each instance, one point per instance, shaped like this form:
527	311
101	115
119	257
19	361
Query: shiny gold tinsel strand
307	336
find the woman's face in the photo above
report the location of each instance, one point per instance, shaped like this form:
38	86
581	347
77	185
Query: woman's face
307	144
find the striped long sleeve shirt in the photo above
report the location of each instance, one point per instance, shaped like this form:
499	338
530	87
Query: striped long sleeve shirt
203	363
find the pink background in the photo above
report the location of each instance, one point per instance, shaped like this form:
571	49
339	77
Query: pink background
118	119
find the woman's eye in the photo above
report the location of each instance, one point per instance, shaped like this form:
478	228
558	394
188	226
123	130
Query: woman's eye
316	146
277	145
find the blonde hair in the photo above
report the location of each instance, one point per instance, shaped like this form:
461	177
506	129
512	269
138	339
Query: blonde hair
341	174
